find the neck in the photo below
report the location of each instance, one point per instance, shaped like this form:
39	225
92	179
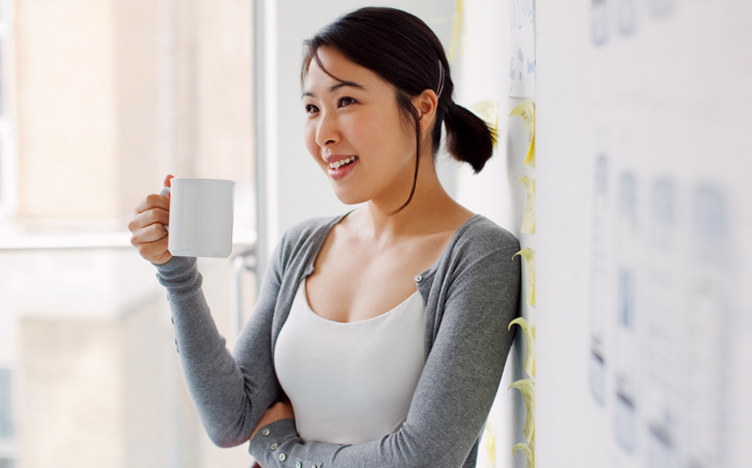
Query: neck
429	208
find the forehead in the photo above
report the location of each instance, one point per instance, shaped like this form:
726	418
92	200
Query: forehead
337	69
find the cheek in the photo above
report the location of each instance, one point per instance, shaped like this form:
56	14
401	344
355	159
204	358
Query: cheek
401	142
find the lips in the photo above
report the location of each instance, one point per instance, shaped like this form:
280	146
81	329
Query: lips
342	162
340	165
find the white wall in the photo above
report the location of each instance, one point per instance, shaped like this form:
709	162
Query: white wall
666	96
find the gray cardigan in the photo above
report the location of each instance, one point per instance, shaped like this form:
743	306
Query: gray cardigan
471	295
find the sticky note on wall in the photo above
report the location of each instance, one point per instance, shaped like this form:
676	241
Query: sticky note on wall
529	255
530	157
488	110
530	342
490	440
527	388
526	111
457	32
528	220
524	448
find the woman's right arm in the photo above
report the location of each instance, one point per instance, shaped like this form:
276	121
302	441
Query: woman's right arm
230	391
230	394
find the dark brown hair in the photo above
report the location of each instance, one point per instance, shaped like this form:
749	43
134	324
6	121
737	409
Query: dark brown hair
406	53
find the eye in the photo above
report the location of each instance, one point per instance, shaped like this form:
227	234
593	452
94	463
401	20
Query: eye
311	109
346	101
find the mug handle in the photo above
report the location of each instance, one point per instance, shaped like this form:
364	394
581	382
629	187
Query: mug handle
165	191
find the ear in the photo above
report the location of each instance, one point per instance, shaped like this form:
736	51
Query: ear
426	104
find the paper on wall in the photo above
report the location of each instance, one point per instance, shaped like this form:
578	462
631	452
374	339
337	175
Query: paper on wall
527	388
529	255
488	110
530	344
489	434
454	44
522	48
528	219
525	448
526	111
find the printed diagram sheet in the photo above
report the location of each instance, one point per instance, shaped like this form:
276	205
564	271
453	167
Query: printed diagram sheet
522	48
667	322
667	328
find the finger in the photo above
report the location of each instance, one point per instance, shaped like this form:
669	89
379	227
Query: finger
153	201
148	234
155	252
167	180
149	217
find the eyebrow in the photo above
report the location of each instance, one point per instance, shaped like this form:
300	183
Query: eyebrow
339	85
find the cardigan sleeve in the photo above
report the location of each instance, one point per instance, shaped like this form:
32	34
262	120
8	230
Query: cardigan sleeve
455	391
231	391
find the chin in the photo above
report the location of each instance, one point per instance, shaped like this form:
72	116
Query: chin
349	198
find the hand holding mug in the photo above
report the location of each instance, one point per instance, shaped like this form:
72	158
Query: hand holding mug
147	227
190	218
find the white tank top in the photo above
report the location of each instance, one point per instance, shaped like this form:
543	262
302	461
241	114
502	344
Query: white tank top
350	382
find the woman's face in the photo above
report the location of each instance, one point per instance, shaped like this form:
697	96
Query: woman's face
356	133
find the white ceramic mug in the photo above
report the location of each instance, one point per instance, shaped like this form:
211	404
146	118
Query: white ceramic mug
200	217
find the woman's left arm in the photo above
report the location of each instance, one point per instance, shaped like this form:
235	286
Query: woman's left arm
455	391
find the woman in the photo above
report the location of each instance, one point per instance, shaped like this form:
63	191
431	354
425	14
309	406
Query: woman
380	335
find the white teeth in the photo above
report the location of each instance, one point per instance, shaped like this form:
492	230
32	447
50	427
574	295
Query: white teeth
338	164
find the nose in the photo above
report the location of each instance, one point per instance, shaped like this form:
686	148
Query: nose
327	131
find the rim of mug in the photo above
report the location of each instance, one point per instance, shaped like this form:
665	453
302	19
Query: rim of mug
198	179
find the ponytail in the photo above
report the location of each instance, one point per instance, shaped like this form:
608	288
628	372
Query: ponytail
468	138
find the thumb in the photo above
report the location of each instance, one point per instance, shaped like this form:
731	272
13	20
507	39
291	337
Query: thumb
167	185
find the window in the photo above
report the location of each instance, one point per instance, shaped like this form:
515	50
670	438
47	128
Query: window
98	101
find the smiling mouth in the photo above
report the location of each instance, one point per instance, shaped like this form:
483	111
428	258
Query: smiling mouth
343	162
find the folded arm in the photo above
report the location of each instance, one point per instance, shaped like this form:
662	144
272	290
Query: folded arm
231	393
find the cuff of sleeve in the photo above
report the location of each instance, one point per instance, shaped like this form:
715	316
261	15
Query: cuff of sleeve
180	277
175	268
270	443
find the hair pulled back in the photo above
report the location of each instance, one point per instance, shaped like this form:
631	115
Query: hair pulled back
406	53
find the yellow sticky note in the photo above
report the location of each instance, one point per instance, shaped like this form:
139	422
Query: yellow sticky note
524	448
530	158
528	220
527	388
488	110
456	32
529	255
490	436
530	340
526	111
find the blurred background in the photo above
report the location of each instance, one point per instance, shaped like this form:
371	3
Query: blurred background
640	185
99	100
